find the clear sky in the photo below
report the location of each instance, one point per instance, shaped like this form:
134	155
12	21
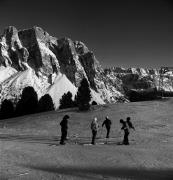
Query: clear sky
120	32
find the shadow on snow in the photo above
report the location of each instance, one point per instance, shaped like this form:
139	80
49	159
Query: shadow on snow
106	172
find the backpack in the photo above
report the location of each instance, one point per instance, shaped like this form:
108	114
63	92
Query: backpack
94	126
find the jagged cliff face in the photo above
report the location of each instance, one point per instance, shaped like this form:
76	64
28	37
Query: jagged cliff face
141	78
32	57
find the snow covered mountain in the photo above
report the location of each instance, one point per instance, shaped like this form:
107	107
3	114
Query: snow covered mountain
32	57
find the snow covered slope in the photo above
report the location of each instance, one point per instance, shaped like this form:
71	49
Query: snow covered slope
12	87
6	72
60	86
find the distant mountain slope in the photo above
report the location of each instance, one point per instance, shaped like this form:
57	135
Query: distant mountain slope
142	78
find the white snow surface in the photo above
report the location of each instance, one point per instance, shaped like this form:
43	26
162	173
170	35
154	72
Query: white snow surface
134	71
13	86
6	72
61	85
143	72
96	97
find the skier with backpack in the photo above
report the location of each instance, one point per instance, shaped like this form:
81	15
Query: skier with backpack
126	132
129	123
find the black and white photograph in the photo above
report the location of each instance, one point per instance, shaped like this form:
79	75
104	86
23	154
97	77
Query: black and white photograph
86	89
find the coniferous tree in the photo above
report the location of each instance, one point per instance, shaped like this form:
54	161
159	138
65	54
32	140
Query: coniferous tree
45	103
7	109
66	101
83	96
28	104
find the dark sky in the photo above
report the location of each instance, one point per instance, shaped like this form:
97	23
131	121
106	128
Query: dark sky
120	32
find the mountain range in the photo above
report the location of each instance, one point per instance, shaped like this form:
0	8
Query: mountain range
54	66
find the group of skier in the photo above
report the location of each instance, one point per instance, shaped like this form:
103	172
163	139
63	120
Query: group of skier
126	126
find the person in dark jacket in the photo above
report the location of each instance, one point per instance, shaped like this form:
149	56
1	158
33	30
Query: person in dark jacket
94	128
126	132
64	128
107	122
129	123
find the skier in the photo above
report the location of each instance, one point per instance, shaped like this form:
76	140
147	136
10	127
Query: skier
64	128
126	132
107	122
94	128
129	123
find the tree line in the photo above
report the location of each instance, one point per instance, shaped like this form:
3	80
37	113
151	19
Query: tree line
29	103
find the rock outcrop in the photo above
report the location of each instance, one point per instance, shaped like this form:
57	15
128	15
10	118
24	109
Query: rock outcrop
142	78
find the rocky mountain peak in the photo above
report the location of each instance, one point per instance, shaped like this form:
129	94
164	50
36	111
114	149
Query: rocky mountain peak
81	47
41	34
11	38
33	55
10	31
